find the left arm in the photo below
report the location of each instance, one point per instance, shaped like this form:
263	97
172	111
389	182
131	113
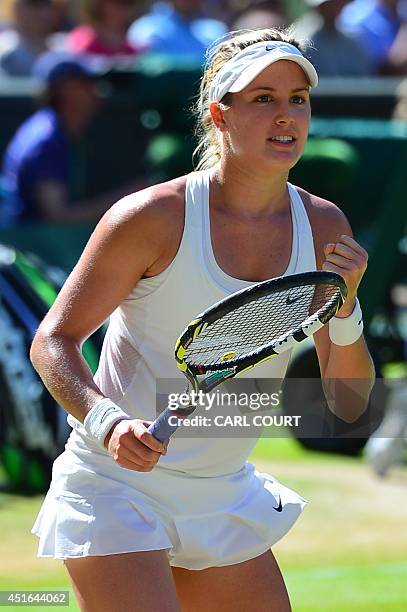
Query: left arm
347	371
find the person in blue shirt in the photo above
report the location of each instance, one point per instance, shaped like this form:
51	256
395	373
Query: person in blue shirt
377	24
333	52
39	173
178	28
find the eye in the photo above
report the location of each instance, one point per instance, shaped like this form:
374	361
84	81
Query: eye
298	100
263	99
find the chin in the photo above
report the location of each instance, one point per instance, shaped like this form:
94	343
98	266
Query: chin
285	162
277	165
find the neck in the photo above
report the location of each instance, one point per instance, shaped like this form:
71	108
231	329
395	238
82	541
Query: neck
250	193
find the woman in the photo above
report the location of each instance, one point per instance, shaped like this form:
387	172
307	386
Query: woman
195	520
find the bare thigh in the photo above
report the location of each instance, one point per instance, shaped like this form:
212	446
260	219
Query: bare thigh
252	585
130	582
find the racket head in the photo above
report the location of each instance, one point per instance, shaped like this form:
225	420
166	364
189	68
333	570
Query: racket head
258	322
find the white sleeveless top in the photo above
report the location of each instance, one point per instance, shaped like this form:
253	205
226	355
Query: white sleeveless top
139	345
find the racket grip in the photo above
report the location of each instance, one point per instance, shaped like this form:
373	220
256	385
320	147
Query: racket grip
161	429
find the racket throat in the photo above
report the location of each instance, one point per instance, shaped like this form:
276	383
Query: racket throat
216	378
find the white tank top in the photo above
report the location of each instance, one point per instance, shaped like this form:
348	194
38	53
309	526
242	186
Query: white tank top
139	345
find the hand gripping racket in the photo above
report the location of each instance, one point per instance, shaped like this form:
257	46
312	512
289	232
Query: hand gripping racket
249	327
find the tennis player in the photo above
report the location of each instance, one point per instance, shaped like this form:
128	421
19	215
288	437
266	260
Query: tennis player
141	526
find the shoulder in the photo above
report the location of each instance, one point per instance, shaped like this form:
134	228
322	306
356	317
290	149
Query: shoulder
150	219
326	218
42	125
328	221
161	202
35	137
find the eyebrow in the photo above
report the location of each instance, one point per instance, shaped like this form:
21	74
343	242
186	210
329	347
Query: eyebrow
296	90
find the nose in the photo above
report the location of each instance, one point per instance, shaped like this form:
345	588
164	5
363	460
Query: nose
283	114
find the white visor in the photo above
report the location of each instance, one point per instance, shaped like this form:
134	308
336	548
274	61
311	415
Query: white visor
246	65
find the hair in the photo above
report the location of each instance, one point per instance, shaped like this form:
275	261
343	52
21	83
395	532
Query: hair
208	150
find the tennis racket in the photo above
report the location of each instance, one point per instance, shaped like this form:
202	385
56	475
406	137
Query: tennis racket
249	327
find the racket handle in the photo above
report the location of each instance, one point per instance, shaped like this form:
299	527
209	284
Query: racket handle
161	429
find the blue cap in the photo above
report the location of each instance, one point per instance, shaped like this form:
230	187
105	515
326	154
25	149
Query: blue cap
53	67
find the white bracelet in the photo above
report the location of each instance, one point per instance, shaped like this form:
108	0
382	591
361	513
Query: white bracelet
348	329
101	418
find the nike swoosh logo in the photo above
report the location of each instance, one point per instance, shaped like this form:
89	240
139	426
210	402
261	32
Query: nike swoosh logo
279	507
291	300
108	411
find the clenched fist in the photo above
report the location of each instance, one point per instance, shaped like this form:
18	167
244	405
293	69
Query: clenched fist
133	447
348	259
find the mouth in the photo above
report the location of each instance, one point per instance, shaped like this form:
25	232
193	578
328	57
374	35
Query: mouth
284	141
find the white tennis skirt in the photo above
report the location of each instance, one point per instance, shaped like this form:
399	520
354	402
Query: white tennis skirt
95	507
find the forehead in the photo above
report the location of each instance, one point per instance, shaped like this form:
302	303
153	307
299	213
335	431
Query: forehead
281	74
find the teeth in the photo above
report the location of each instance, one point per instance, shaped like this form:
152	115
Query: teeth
283	138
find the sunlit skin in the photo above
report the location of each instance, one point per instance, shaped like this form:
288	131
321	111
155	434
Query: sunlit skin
275	103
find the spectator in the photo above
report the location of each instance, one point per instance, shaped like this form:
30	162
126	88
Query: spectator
261	14
177	28
38	177
380	27
333	52
21	45
105	30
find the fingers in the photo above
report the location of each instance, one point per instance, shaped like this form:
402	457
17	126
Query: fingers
138	449
355	246
340	249
328	266
134	460
133	447
141	432
346	254
348	259
348	248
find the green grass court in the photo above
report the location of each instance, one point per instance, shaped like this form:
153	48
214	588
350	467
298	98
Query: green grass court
347	553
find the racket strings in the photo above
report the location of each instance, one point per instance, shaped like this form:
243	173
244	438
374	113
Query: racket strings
258	323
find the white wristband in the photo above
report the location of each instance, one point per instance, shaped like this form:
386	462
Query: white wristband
101	418
348	329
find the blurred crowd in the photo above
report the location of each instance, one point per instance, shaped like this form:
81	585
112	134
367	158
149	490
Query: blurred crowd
349	37
63	44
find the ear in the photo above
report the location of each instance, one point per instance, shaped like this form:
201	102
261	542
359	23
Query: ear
217	115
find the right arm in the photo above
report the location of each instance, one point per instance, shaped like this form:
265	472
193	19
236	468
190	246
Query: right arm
134	239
